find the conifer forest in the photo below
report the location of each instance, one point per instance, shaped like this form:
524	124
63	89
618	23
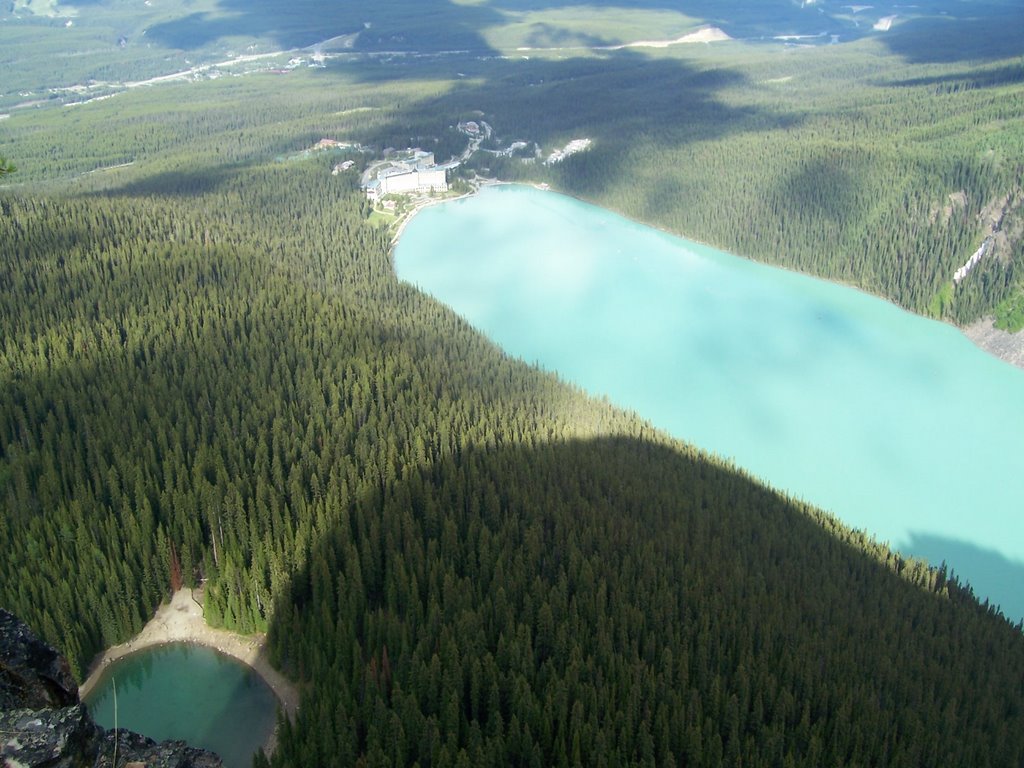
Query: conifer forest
210	376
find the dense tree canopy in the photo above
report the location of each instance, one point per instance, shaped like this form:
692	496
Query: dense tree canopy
464	561
210	376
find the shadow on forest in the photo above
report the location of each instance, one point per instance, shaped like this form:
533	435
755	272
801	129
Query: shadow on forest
625	102
436	25
999	34
1011	74
683	548
468	550
987	571
178	183
805	182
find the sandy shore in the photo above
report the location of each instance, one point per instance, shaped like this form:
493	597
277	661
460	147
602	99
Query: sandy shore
181	620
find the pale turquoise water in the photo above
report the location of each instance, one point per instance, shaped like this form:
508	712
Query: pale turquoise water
182	691
896	423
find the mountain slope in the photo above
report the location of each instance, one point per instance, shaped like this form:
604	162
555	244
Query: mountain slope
464	560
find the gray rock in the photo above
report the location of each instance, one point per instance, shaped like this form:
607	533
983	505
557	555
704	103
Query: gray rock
43	724
61	738
32	674
133	748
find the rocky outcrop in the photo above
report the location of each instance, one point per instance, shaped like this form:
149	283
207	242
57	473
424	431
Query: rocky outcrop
63	738
43	724
135	751
32	674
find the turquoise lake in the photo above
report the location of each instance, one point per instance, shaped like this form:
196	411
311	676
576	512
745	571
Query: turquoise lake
897	424
183	691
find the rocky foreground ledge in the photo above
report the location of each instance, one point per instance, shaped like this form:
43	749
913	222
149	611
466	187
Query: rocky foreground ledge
43	723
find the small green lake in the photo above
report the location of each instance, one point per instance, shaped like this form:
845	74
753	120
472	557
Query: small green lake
897	424
189	692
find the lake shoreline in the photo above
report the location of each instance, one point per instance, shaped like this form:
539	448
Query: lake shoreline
428	202
1008	347
181	621
543	277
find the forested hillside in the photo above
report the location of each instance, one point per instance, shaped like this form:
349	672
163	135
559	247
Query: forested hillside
238	354
618	602
834	163
465	561
848	162
209	374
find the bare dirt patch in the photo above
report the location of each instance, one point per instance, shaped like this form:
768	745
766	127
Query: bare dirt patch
704	35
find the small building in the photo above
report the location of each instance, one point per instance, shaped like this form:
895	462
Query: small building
413	172
328	144
401	181
424	159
